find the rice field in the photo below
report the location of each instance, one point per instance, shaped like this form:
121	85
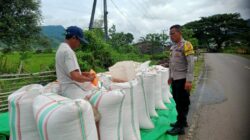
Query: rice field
33	63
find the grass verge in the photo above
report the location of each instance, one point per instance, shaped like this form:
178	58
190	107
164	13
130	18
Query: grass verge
245	56
198	67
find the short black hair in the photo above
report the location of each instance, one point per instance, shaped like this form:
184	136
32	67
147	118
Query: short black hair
177	27
69	36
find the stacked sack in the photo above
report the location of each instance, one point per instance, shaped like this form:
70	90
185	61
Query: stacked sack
109	104
165	88
125	73
143	102
52	87
60	118
21	120
149	83
159	104
131	129
125	105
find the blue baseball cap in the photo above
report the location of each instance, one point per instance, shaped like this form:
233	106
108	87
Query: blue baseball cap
78	32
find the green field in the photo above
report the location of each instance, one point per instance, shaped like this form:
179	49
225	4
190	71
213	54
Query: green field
34	63
10	63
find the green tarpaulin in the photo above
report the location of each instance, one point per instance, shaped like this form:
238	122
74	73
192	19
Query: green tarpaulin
162	124
4	126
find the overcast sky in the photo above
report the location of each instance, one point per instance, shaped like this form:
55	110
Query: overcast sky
138	16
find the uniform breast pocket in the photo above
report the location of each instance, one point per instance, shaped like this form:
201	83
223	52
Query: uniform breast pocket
181	66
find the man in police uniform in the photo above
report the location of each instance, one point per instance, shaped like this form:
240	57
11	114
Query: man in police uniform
180	76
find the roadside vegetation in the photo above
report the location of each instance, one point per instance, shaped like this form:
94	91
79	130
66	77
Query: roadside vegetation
241	51
198	68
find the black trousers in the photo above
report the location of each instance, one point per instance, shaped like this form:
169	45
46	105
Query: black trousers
181	97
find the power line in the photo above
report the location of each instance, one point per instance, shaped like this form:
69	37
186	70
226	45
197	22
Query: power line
138	7
145	8
117	8
125	16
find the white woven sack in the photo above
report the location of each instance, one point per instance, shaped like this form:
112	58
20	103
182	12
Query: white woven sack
159	104
168	86
131	129
60	118
142	104
105	80
149	82
76	90
164	87
143	66
21	121
52	87
109	105
165	77
124	70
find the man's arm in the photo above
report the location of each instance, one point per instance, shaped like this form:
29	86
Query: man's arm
76	76
189	53
169	65
169	76
190	69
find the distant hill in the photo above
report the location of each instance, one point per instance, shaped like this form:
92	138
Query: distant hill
55	33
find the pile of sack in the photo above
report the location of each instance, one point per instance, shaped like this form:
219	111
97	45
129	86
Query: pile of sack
126	97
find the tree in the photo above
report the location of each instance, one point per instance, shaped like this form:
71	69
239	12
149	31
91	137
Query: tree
154	42
121	41
155	38
99	23
43	43
129	38
97	54
218	29
188	35
19	20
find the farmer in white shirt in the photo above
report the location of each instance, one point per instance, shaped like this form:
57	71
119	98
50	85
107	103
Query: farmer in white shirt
68	72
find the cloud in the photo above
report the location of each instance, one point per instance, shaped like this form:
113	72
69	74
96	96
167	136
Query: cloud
141	16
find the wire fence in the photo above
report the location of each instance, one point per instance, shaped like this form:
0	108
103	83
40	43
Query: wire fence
11	82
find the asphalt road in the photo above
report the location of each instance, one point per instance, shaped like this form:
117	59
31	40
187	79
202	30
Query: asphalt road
220	108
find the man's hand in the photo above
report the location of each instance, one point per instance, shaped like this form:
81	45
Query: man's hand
91	76
76	76
169	81
188	86
86	74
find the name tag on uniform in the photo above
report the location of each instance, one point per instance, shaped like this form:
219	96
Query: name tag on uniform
178	50
177	54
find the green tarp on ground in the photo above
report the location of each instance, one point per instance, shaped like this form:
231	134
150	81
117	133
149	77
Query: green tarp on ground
158	133
162	124
4	126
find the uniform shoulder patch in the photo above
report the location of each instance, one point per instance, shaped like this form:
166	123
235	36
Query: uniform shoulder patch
188	48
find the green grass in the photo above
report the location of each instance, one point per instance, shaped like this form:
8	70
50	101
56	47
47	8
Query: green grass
39	62
9	63
34	63
199	65
245	55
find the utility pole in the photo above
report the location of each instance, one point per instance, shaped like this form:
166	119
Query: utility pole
105	19
92	15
